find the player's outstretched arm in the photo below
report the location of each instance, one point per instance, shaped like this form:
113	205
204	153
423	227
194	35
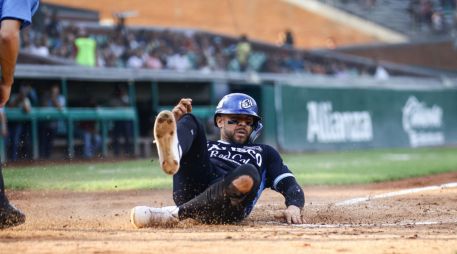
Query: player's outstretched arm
291	215
285	183
184	106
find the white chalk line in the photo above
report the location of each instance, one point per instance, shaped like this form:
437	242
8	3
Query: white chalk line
354	201
368	225
379	196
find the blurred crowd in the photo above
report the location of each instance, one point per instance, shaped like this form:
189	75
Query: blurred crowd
180	50
438	16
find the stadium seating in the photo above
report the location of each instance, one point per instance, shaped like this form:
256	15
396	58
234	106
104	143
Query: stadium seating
393	14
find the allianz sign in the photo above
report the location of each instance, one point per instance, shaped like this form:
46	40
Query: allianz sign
327	126
423	124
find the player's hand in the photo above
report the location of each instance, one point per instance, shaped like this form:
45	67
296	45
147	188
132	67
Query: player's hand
292	215
184	106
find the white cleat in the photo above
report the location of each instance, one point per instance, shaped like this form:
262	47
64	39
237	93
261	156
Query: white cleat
166	139
144	216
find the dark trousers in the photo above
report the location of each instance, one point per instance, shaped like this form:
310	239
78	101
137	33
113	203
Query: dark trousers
48	131
122	129
19	141
196	173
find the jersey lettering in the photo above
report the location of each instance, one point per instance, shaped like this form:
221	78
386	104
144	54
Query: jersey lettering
237	155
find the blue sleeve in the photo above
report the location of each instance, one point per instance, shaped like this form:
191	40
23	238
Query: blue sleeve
22	10
281	179
292	192
276	170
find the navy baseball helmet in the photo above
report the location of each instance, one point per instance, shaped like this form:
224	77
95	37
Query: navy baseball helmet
240	104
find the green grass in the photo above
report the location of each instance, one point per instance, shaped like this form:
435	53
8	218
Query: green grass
371	166
310	169
138	174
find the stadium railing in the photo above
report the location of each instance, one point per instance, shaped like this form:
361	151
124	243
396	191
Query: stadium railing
71	116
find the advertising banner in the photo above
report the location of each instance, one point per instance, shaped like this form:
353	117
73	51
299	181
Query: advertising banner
311	118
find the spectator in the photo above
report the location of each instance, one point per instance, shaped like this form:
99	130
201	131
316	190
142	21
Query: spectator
53	29
66	47
256	61
295	62
179	61
220	58
49	129
381	73
220	63
207	52
131	42
426	12
31	95
85	46
243	51
135	60
22	99
26	43
203	66
288	40
120	29
340	70
91	138
110	59
117	47
438	24
414	12
18	130
121	129
152	60
273	64
319	69
40	47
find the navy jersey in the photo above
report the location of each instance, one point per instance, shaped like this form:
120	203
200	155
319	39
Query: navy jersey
225	157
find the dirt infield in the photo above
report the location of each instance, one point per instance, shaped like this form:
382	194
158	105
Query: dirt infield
68	222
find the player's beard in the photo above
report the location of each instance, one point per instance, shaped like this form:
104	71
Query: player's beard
238	136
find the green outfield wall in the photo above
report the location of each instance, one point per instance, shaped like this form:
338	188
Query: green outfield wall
334	118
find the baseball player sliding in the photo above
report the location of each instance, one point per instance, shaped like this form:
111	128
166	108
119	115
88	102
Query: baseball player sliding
220	181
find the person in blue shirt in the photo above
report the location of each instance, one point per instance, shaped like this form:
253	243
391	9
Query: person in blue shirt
218	182
14	15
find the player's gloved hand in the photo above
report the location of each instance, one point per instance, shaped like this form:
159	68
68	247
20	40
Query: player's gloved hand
184	106
292	215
